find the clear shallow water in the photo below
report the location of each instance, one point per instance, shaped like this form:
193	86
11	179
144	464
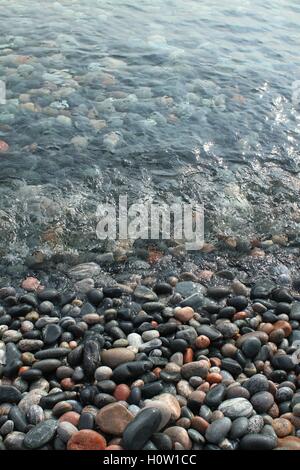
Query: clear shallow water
160	100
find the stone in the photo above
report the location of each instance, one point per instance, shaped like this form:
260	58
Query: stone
255	424
33	397
251	347
86	439
184	314
66	430
14	441
165	412
9	394
239	427
196	368
116	356
289	443
70	417
41	434
84	271
171	403
51	333
30	284
257	383
91	357
262	401
179	435
139	431
257	442
47	365
215	396
283	427
236	407
144	293
4	147
113	419
218	430
103	373
35	414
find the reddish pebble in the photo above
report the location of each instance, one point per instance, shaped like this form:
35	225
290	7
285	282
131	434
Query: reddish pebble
157	371
73	344
188	355
199	424
283	325
289	443
114	447
3	146
86	440
30	284
67	384
202	342
240	316
71	417
282	427
23	369
154	324
214	378
215	361
122	392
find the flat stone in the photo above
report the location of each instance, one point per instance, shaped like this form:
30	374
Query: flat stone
113	419
116	356
41	434
236	407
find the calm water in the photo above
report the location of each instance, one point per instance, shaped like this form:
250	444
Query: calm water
157	99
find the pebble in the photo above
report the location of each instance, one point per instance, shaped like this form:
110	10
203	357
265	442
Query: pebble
40	434
86	439
218	430
139	431
257	442
283	427
179	435
262	401
113	419
9	394
4	147
236	407
65	431
117	356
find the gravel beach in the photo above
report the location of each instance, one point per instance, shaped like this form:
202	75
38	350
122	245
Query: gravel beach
158	359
